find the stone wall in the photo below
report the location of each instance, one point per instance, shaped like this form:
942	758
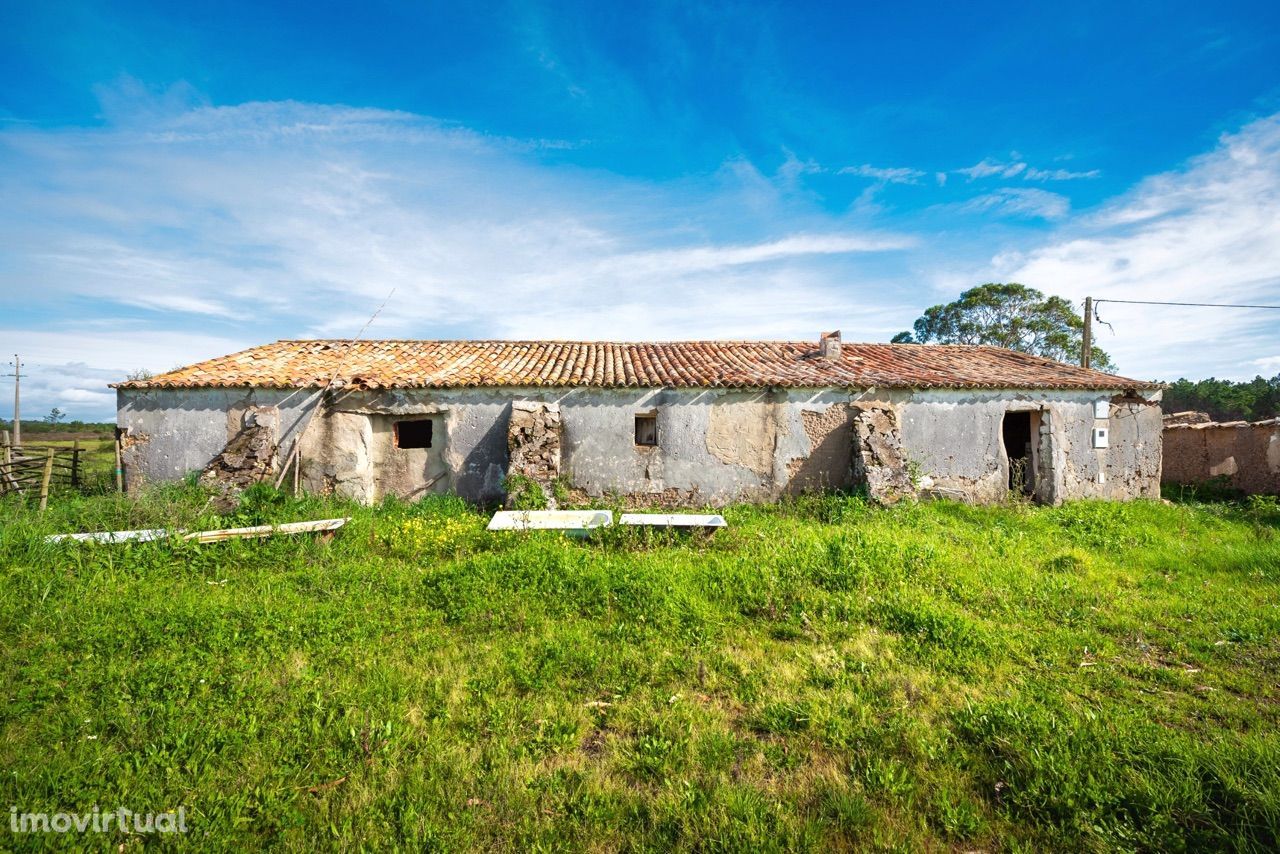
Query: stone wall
1246	455
879	460
533	444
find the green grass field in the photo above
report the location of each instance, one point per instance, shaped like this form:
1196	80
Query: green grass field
821	675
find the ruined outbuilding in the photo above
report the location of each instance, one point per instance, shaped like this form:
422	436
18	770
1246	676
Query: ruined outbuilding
1241	455
671	423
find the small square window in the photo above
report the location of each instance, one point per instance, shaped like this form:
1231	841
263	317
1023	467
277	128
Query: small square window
413	434
647	430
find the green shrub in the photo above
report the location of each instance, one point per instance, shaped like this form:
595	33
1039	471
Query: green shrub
525	494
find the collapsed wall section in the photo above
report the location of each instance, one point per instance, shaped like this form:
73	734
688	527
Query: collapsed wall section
248	457
533	446
879	459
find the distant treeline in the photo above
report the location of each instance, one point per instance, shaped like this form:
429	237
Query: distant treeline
33	427
1254	400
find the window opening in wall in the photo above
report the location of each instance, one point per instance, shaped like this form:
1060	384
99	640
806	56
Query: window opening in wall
413	434
647	429
1017	434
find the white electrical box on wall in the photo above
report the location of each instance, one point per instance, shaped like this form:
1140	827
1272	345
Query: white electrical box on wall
1102	409
1100	437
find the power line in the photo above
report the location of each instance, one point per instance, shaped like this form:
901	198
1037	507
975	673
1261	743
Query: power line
1091	314
1189	304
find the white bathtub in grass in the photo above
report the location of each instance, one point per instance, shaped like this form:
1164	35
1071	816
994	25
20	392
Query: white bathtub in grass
708	521
579	522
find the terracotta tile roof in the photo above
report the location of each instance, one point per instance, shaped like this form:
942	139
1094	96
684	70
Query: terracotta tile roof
679	364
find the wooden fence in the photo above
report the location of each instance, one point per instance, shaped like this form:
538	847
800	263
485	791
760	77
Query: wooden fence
36	469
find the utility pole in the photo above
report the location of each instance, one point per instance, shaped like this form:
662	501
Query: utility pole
17	401
1086	345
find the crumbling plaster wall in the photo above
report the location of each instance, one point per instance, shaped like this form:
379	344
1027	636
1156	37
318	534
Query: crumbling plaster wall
350	449
955	439
173	432
715	446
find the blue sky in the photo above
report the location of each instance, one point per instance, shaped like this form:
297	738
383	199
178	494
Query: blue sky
182	182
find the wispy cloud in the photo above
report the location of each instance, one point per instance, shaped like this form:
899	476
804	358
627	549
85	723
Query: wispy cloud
242	224
181	230
98	356
1269	365
889	175
1020	202
1020	169
1033	174
989	168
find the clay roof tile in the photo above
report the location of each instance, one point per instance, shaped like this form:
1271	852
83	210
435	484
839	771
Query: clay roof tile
693	364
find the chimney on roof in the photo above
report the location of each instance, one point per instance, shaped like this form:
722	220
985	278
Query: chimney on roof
829	345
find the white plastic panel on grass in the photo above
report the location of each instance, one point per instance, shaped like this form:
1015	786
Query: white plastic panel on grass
674	520
550	520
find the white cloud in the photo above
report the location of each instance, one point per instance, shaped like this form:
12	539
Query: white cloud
1269	365
1033	174
192	230
990	168
84	395
185	231
1020	202
889	175
1208	232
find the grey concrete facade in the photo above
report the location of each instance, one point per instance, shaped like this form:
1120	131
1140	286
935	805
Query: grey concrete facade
715	446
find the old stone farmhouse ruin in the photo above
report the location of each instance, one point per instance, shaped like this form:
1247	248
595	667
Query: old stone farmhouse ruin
675	423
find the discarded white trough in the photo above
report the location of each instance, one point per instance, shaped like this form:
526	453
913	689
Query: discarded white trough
707	522
113	536
256	532
577	522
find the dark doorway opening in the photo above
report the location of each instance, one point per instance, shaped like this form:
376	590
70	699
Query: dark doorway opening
1018	433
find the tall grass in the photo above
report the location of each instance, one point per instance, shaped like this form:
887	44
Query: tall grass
822	674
